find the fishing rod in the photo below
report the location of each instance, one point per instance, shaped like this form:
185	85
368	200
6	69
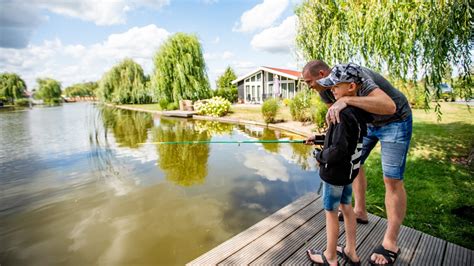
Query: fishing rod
316	142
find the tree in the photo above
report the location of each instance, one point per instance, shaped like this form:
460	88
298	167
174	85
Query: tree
180	70
224	85
124	83
49	90
81	89
11	87
405	38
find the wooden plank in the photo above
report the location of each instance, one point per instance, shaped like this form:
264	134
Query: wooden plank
457	255
371	241
285	248
408	240
232	245
430	251
252	251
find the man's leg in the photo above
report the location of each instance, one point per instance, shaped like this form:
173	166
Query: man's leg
359	187
395	204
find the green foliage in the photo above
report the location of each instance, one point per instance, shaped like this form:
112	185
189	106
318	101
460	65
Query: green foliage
172	106
225	88
22	102
286	102
124	83
319	110
11	86
180	70
213	128
216	106
300	106
81	89
403	36
163	103
414	92
49	90
270	109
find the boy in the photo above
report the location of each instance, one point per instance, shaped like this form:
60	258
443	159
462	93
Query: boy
339	164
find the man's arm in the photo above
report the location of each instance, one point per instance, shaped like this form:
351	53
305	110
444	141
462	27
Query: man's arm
376	102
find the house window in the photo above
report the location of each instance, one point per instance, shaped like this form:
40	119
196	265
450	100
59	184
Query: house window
252	78
270	77
270	90
259	77
291	90
283	78
284	91
247	80
247	93
258	93
253	94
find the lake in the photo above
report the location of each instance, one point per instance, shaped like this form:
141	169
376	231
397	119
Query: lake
83	184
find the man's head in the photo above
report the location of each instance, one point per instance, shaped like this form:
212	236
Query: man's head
344	80
313	71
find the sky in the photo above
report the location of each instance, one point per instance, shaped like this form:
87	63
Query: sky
79	40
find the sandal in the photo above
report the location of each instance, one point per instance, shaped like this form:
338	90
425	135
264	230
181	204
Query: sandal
390	256
313	251
346	258
340	216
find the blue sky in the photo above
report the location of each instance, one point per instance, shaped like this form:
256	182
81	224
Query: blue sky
78	40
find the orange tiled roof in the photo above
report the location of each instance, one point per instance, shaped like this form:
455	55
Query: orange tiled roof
287	71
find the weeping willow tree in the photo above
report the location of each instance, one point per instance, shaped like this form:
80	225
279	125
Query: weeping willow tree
12	87
409	39
49	90
124	83
180	70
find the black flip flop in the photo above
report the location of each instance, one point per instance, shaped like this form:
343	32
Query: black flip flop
313	251
340	216
346	258
389	255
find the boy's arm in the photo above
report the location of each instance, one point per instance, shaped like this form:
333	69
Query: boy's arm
343	133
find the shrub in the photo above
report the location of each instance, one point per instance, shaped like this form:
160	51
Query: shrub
231	94
216	106
22	102
270	109
318	112
300	106
163	103
172	106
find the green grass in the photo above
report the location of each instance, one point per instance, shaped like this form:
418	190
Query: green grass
254	113
438	180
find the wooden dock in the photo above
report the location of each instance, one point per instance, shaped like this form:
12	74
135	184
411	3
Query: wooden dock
177	113
284	237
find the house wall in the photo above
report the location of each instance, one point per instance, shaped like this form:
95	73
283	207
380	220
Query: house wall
240	90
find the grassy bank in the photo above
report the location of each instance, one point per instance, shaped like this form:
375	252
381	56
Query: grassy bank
438	181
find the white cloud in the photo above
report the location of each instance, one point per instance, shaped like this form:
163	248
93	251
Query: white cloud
273	170
100	12
216	40
279	39
76	63
261	16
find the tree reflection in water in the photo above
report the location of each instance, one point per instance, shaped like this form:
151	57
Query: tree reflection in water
183	164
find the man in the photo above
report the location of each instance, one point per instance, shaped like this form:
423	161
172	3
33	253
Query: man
392	125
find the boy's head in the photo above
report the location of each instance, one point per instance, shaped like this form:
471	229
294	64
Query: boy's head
344	80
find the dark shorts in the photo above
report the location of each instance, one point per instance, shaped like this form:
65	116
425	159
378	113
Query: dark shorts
395	140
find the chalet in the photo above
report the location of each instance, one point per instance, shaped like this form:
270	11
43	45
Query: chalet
268	82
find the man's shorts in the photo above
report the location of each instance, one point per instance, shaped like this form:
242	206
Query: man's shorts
335	195
395	140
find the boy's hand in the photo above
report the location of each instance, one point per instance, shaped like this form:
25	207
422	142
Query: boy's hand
309	141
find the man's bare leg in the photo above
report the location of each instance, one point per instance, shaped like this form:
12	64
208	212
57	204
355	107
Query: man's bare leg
395	204
359	187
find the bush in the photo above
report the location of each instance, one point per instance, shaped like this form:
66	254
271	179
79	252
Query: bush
163	103
300	106
230	94
22	102
319	110
270	109
216	106
172	106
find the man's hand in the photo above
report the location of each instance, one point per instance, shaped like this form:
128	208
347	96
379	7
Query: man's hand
332	115
310	140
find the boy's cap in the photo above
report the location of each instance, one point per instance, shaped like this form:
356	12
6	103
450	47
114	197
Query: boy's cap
342	73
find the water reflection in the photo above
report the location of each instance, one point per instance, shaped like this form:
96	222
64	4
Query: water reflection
184	164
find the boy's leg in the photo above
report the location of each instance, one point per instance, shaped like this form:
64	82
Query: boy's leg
360	188
332	234
349	223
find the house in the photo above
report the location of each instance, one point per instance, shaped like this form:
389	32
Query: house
267	82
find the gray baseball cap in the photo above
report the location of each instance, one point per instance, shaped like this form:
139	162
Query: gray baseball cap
342	73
